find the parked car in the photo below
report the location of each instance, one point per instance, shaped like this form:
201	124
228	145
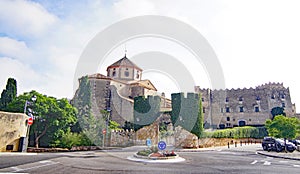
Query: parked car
272	144
295	142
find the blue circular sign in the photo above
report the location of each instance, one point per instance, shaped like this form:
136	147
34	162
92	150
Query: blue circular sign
162	145
148	142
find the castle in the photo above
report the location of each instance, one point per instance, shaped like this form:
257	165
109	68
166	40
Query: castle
248	106
115	92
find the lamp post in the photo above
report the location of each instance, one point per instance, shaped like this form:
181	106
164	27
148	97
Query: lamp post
25	140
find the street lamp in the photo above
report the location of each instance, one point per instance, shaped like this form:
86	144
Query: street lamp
25	140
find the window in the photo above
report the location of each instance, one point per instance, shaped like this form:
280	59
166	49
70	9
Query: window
273	96
228	118
228	124
257	98
202	99
241	109
241	99
126	73
203	109
283	105
256	109
221	110
226	100
227	109
114	73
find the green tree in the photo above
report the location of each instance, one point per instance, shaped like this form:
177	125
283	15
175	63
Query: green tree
198	127
283	127
52	117
8	94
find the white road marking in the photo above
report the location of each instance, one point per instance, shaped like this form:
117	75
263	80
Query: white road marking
42	164
46	161
254	162
267	163
283	161
296	165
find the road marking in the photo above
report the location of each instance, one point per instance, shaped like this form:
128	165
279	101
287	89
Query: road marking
296	165
267	163
254	162
35	165
46	161
283	161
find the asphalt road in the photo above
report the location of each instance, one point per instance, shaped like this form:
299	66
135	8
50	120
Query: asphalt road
213	161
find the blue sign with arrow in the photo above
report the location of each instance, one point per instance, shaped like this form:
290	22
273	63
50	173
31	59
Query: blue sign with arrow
162	145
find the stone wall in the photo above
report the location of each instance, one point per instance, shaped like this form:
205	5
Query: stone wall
250	105
13	126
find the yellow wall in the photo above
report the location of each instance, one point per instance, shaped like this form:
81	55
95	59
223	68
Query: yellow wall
13	126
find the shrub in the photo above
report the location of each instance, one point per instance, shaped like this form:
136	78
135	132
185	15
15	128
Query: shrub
238	132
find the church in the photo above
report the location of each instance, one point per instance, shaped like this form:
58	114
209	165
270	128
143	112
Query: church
115	92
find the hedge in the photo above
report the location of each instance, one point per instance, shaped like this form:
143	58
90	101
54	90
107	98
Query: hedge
238	132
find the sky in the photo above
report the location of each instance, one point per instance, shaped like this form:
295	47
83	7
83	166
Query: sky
256	41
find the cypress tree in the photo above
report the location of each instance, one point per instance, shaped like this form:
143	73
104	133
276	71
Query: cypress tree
9	93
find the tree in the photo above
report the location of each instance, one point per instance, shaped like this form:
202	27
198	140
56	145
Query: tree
8	94
198	127
52	117
277	111
283	127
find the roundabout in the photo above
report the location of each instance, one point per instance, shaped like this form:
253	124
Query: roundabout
153	155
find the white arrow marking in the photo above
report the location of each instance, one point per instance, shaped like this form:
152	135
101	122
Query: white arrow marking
254	162
267	163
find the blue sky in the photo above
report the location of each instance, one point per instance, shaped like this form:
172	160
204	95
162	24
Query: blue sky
256	41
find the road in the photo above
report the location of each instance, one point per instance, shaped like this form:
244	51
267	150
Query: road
115	161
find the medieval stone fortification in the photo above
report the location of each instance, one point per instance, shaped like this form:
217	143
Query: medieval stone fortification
247	106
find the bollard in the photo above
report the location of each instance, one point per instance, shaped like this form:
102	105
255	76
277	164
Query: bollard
235	143
228	145
241	143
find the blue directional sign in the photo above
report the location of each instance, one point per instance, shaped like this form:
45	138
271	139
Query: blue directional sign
148	142
162	145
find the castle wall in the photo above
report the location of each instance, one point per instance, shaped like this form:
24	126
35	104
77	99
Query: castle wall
251	105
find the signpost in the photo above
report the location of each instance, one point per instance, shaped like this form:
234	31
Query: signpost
30	121
148	142
161	145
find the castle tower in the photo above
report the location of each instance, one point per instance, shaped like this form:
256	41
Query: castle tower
125	70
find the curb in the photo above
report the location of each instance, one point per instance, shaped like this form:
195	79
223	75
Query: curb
276	156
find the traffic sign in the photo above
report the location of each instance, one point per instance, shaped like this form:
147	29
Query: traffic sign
162	145
104	131
148	142
30	121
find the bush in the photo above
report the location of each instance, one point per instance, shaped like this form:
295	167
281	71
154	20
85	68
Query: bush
238	132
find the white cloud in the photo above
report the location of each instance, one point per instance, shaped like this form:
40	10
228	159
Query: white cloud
25	76
24	18
13	48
